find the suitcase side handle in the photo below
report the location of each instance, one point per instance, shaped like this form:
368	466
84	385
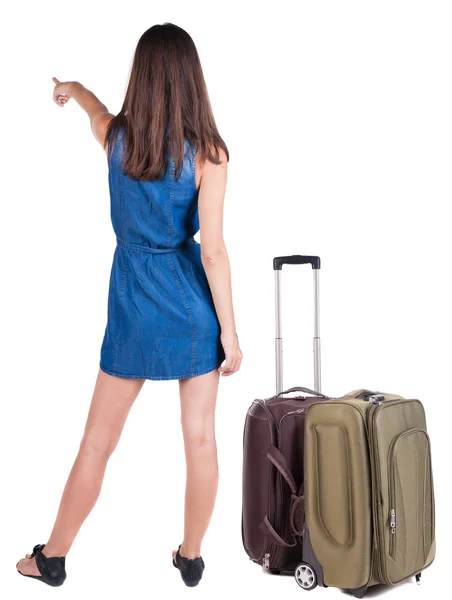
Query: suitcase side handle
305	390
295	259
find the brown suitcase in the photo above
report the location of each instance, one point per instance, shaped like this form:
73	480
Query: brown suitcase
273	455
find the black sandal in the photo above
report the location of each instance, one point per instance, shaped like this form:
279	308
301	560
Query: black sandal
52	568
190	568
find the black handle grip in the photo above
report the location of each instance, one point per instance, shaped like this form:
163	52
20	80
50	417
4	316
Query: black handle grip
296	259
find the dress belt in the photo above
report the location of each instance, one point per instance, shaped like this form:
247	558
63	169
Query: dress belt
148	249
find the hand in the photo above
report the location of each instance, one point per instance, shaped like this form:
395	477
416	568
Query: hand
233	354
62	92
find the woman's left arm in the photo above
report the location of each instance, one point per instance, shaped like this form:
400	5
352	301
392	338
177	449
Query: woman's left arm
97	112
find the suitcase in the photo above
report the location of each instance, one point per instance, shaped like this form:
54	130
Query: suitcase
370	507
337	491
273	455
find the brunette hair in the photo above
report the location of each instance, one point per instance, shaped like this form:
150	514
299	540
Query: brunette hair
166	102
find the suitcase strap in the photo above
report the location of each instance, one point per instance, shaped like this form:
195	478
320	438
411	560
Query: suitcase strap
296	514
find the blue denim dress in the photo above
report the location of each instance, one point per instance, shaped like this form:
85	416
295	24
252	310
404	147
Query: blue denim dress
162	322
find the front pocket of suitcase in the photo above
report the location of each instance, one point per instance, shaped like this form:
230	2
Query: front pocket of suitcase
411	502
291	444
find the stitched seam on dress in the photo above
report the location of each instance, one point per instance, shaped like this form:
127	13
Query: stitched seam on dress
171	202
148	250
162	250
187	306
153	378
121	296
193	166
121	188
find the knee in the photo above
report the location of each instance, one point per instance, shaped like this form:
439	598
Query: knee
198	437
96	444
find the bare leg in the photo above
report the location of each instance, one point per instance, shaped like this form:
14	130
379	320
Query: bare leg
198	399
112	400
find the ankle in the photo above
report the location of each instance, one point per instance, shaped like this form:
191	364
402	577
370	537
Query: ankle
188	551
52	551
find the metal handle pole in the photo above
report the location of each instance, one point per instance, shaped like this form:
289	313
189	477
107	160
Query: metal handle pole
316	340
278	338
278	263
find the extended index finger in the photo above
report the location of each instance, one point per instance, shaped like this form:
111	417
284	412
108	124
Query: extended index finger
55	80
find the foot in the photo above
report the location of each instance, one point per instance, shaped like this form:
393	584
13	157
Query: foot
191	569
48	569
28	566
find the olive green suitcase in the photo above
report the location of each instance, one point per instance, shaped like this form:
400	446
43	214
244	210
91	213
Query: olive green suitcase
369	499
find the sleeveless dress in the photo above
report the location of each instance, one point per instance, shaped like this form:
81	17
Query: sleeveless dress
162	322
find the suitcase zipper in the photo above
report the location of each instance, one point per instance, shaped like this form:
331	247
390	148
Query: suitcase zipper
265	556
379	535
392	500
392	538
392	491
379	519
292	412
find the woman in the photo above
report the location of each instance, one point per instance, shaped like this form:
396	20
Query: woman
170	312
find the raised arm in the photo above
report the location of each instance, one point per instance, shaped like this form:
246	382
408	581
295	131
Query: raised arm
215	257
97	112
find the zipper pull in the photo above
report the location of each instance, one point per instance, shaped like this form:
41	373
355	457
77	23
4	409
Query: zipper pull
392	521
376	399
266	562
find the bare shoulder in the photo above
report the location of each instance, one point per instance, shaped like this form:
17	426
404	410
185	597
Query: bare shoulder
208	170
99	126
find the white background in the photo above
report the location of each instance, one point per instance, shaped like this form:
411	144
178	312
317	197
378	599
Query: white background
338	120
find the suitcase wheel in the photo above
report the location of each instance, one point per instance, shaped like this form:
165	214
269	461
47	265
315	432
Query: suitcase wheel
305	576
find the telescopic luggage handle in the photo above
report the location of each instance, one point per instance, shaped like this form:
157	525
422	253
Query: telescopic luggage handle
278	263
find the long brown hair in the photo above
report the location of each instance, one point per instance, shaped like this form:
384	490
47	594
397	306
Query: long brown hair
166	101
